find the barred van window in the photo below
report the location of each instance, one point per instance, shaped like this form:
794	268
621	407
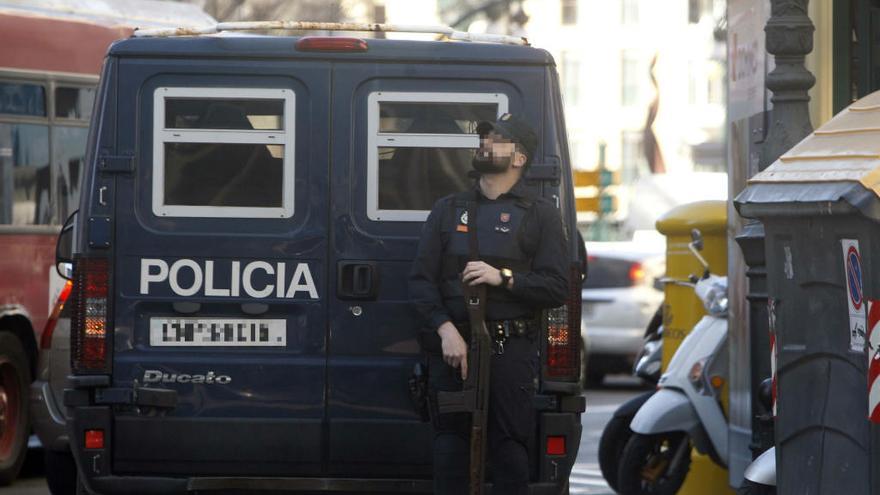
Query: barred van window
222	174
420	148
204	113
415	178
223	152
434	118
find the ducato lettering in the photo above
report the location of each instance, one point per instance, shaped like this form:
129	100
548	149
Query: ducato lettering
156	376
186	277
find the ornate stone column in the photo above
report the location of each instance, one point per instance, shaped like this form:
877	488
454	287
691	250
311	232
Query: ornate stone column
789	39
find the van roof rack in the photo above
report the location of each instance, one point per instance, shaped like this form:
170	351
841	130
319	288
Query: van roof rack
220	27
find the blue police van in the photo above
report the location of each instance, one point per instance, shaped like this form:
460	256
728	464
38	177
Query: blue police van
251	207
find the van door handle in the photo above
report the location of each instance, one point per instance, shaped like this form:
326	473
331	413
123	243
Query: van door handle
358	280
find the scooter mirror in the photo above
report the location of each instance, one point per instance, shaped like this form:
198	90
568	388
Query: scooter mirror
697	238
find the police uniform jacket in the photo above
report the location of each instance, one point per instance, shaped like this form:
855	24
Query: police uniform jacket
516	231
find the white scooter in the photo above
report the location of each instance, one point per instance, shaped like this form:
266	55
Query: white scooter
686	410
760	476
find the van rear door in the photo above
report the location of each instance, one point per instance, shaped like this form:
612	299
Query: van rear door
220	262
400	143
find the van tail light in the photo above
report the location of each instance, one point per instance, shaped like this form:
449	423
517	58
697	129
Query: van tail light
49	329
564	335
331	44
94	439
88	324
555	445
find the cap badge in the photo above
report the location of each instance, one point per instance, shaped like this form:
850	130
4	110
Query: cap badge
505	217
464	218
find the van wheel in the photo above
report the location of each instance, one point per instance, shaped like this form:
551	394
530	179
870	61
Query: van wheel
654	464
60	473
15	378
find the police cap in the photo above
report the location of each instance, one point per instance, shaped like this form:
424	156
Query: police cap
513	128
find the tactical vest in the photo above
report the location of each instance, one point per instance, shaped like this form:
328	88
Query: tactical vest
498	231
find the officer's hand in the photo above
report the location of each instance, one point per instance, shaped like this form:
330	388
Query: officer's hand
477	272
454	348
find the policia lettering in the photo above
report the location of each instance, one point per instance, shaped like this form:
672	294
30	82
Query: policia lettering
201	280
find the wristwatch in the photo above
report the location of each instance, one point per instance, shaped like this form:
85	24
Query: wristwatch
506	275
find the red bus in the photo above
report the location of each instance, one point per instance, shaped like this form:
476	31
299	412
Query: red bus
50	58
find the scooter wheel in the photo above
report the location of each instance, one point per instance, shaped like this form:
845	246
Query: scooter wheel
614	438
649	465
750	488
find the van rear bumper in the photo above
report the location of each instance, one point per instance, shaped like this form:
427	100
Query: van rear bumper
95	471
152	485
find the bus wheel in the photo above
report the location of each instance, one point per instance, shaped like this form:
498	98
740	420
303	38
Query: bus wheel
15	378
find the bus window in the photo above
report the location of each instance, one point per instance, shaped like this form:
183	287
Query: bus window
22	99
74	103
24	174
68	150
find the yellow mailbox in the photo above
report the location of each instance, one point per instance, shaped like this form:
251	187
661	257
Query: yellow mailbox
683	309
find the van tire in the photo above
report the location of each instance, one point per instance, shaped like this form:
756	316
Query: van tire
60	472
15	379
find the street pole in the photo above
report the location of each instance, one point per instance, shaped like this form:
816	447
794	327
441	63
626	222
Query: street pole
789	38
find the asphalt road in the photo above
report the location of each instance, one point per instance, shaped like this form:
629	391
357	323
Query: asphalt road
585	477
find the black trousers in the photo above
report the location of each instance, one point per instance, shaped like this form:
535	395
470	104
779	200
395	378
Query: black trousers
511	422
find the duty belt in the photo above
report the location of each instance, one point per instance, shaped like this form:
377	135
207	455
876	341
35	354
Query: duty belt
501	330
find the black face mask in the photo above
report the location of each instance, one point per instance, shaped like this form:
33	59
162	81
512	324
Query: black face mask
485	162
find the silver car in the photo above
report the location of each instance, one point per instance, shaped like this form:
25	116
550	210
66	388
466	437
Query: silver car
620	296
47	399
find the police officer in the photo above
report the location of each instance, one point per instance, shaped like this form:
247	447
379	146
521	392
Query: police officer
522	259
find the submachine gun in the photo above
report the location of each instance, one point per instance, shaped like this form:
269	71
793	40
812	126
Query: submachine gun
474	396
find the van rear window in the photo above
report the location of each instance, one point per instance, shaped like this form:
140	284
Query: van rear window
206	113
415	178
434	118
223	152
224	174
420	148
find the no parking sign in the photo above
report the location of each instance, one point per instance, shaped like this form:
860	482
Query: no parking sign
852	266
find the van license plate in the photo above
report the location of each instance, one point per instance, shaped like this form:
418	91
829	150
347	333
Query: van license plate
217	332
